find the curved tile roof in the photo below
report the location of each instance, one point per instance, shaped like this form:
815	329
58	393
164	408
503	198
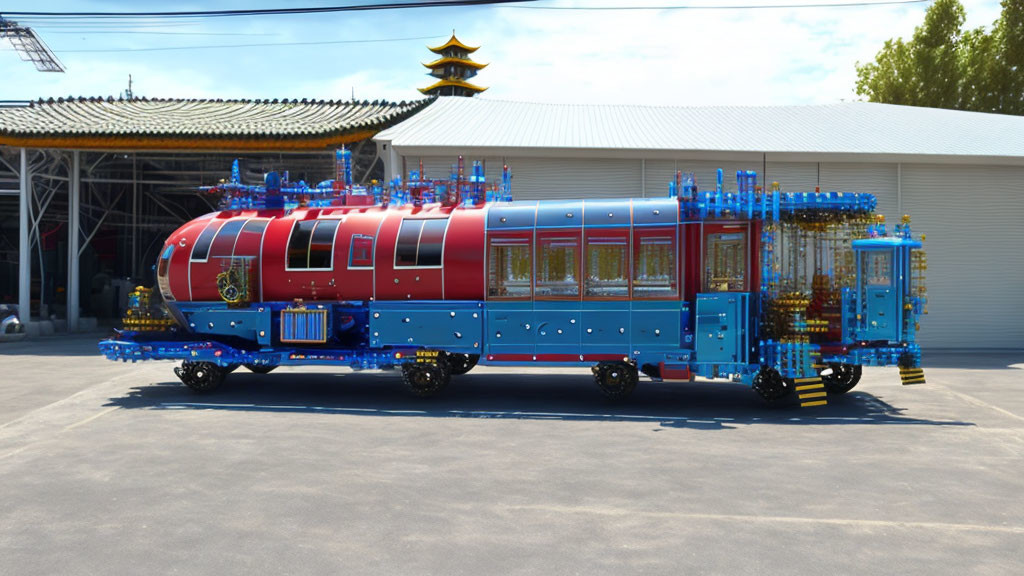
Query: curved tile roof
142	119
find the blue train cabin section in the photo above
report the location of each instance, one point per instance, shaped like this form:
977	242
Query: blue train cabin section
788	293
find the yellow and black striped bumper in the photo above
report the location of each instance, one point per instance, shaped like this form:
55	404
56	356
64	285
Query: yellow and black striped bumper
811	392
912	375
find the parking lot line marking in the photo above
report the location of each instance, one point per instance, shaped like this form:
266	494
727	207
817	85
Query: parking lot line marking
976	402
858	522
91	418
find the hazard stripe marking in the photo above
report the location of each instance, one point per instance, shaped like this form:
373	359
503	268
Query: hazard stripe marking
807	380
815	403
813	395
809	387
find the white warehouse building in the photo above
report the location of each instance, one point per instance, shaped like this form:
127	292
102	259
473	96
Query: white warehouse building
960	175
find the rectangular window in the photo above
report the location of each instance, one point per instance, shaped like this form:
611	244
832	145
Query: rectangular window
311	245
876	268
509	268
361	255
420	243
607	266
201	249
224	245
725	262
558	266
654	265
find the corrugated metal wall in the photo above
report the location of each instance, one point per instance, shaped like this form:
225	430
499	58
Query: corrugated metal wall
972	217
878	179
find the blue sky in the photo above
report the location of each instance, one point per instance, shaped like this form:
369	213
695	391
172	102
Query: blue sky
658	57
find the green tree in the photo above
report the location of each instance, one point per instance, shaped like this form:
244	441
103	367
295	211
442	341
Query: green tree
943	66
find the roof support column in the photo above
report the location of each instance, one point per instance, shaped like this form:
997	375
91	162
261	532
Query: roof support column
74	214
24	266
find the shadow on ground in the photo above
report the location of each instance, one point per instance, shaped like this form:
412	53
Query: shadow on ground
703	405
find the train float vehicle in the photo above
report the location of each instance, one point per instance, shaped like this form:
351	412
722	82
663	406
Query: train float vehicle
789	293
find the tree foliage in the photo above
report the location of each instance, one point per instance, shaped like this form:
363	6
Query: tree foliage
944	66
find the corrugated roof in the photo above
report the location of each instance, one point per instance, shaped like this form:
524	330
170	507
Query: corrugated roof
855	127
199	119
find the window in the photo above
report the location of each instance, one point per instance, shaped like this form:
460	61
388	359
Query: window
361	255
254	227
725	262
224	245
420	243
607	266
876	268
558	266
165	261
311	245
321	246
509	268
201	250
654	264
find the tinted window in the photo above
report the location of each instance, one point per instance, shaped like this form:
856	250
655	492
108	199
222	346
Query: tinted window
321	248
202	247
298	244
431	242
224	245
255	227
408	242
165	260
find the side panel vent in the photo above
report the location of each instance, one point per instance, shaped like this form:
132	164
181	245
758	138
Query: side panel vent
300	326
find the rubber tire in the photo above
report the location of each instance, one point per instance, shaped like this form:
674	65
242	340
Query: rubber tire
459	364
617	380
260	368
201	377
425	380
772	387
842	379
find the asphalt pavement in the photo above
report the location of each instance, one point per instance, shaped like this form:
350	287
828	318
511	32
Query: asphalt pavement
109	468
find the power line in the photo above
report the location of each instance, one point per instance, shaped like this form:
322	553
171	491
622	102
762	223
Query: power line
316	43
265	11
727	7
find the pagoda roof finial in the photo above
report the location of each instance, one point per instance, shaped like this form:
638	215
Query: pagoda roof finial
453	41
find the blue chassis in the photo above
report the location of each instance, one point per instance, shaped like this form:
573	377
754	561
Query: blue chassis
385	334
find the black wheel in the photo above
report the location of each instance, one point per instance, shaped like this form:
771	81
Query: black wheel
201	376
771	386
260	368
459	364
842	379
617	380
425	380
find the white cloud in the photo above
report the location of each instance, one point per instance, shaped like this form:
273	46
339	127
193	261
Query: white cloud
683	57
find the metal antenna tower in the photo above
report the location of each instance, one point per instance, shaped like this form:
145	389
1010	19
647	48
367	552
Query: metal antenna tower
29	46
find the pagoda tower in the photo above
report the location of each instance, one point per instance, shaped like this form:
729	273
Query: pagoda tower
452	68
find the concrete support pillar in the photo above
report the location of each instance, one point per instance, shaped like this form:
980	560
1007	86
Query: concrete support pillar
24	266
74	213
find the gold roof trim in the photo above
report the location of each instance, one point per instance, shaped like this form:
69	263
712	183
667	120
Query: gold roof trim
443	61
453	82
